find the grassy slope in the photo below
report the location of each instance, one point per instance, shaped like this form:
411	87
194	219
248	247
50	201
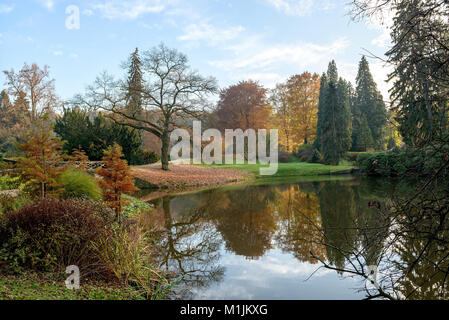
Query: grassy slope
291	169
47	287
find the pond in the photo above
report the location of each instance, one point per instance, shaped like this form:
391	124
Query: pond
270	241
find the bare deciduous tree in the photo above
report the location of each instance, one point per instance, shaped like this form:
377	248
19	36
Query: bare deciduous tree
37	86
171	90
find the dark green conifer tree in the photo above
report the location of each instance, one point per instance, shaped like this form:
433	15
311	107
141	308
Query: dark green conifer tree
364	139
335	126
420	34
135	83
134	88
323	88
369	104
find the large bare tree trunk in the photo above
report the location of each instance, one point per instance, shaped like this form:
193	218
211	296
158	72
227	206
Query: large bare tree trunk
164	151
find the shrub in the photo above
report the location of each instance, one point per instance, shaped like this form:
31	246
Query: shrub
352	156
9	203
397	163
134	206
284	157
305	152
305	147
9	183
127	255
382	164
141	157
305	158
51	234
78	184
315	157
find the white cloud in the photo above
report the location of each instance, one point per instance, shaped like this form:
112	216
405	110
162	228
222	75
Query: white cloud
383	40
73	56
301	7
47	4
131	9
382	24
268	79
380	72
4	8
57	53
210	34
269	64
301	54
187	13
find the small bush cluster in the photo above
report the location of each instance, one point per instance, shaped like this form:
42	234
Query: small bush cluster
142	156
305	147
50	234
285	157
316	157
352	156
308	153
304	152
79	184
127	255
9	203
133	206
398	163
9	183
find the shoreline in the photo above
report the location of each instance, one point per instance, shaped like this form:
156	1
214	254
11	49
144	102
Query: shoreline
235	176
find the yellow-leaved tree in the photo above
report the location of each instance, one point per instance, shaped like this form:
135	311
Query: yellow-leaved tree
295	103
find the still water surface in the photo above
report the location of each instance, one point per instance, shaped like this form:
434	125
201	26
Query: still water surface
259	241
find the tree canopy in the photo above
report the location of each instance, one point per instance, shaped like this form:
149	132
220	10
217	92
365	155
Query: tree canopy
334	116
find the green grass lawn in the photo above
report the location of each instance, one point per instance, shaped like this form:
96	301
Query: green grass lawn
291	169
48	287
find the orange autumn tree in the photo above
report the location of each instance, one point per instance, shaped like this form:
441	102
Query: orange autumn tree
79	158
243	106
116	178
39	167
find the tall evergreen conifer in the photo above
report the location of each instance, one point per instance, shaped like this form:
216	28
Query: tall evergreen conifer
334	116
368	104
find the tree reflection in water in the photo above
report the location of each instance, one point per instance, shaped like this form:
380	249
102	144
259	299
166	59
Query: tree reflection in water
190	247
299	221
404	239
247	224
349	226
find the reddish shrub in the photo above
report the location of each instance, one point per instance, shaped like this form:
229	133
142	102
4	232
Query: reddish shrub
59	233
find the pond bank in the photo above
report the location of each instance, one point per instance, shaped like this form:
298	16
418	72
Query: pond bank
188	178
49	286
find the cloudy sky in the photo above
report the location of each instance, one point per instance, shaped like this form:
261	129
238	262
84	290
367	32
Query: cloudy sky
233	40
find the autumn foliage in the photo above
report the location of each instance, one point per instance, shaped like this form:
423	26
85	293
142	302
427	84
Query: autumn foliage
243	106
116	178
296	106
79	158
292	108
39	167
